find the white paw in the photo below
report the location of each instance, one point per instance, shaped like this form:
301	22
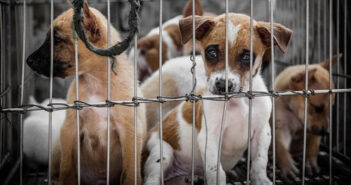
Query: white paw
261	181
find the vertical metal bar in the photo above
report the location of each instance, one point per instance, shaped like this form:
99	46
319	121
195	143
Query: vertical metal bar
306	97
220	142
345	71
226	92
250	100
194	111
319	30
135	109
22	87
273	81
51	84
160	91
325	47
108	93
330	95
77	111
325	30
337	71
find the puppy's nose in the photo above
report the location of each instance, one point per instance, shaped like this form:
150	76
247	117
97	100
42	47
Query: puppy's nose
30	61
324	132
220	85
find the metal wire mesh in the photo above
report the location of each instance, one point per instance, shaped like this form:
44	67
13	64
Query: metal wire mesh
136	101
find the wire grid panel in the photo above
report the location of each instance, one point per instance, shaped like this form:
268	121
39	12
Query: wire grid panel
78	105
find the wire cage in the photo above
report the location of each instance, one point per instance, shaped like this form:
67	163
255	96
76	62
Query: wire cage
320	30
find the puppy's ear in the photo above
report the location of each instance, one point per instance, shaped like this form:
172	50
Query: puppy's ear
90	23
188	9
282	35
325	63
69	5
202	25
301	76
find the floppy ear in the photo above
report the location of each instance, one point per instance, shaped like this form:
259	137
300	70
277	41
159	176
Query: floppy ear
202	25
90	23
282	35
188	9
301	76
325	63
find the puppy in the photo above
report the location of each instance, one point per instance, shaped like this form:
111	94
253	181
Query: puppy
35	133
148	46
92	89
177	124
174	84
290	116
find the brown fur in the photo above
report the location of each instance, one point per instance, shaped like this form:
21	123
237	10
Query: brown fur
211	30
150	89
150	44
293	78
92	81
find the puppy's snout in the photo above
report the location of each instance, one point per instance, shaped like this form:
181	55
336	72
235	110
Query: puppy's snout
220	85
30	61
323	131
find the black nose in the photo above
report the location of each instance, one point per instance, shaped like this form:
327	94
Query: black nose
30	61
220	85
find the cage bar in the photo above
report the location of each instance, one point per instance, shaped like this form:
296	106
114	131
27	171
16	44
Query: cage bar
108	93
306	97
273	89
160	92
22	88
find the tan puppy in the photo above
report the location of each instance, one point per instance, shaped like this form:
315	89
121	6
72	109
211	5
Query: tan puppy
93	121
177	124
148	46
290	115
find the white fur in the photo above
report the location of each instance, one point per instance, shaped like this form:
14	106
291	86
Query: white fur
172	51
235	135
35	133
232	77
233	32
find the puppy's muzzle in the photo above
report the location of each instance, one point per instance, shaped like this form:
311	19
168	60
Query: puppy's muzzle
319	131
220	86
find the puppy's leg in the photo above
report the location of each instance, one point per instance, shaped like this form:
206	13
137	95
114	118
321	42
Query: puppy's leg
259	155
56	155
211	157
284	159
312	149
126	135
68	139
152	164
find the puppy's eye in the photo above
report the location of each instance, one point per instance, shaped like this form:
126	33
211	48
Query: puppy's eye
143	52
211	53
319	108
57	39
244	58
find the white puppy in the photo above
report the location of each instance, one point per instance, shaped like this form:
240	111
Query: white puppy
36	133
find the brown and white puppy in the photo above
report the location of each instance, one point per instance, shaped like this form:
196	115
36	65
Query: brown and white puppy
148	46
93	121
290	116
177	125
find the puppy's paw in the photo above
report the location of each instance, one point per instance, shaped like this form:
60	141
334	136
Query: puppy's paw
288	169
231	175
312	167
261	180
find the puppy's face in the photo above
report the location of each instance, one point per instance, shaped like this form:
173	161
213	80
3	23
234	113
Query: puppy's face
63	59
211	34
148	55
318	105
